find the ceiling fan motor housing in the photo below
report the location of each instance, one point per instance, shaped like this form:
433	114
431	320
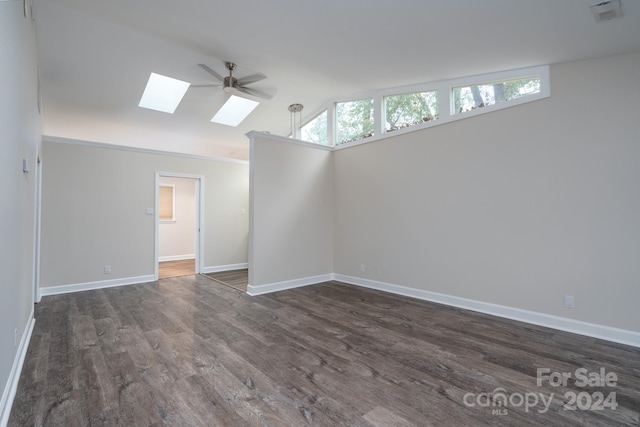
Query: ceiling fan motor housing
231	85
230	82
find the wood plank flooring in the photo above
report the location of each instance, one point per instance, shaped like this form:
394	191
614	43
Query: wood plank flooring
182	267
187	352
238	279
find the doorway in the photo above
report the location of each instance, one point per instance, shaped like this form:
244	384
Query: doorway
37	222
178	225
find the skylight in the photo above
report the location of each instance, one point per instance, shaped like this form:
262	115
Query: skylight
234	111
163	93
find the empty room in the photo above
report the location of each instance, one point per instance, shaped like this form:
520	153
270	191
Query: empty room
320	213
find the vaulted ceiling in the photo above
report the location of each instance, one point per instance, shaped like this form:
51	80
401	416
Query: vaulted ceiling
95	56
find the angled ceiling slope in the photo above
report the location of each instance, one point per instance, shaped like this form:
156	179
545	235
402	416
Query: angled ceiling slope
96	57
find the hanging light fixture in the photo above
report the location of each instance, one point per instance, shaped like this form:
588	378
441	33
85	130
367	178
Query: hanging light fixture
296	118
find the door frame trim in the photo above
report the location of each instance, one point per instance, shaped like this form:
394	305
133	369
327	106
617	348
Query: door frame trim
199	226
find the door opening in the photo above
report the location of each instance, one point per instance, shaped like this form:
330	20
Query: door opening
36	247
178	225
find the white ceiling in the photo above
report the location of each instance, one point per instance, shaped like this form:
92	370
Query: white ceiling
96	56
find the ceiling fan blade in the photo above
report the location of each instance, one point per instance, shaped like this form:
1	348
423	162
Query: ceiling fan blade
251	79
210	71
255	93
205	86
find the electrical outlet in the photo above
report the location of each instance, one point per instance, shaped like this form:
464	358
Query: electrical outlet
569	301
361	268
107	269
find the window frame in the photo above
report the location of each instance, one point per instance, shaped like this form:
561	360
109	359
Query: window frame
376	119
490	82
420	92
444	91
324	111
172	202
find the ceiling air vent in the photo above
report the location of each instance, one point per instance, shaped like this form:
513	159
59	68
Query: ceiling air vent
605	10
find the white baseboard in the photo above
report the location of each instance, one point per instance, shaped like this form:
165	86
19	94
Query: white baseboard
176	257
288	284
14	376
88	286
228	267
593	330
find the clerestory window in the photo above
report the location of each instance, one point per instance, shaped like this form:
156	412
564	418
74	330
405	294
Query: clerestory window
315	130
410	109
470	97
354	120
377	114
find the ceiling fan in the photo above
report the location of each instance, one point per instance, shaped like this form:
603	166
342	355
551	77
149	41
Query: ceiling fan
232	85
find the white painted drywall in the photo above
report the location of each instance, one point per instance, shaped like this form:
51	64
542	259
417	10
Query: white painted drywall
518	207
178	237
19	139
292	211
94	201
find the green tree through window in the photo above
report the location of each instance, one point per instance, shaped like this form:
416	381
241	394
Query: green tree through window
410	109
467	98
354	120
316	130
420	105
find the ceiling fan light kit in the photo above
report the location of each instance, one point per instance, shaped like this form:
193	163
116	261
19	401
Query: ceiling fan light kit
230	90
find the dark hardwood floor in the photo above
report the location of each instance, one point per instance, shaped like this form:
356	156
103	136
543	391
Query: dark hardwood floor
238	279
187	352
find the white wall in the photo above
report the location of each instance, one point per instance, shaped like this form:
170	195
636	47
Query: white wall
177	237
519	207
19	139
94	201
291	213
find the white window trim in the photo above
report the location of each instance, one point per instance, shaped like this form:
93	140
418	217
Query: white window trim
323	111
543	72
173	201
383	116
445	102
